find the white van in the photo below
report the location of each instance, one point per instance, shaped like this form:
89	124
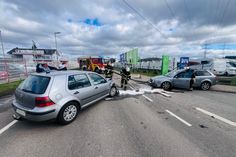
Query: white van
219	66
230	67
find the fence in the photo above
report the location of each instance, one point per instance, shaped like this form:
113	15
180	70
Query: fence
13	70
18	69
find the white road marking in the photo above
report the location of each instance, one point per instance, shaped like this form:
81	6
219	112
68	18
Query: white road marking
164	94
183	121
132	88
1	104
217	117
147	98
167	92
8	126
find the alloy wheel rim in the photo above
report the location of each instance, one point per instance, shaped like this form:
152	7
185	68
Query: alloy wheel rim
113	91
70	113
166	85
205	86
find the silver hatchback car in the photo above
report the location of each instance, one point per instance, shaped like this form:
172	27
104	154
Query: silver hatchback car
204	79
59	95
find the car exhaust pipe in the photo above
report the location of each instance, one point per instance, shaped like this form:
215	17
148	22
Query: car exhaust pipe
16	117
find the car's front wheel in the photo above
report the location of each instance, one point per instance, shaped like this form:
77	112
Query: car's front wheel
68	113
113	91
205	86
166	85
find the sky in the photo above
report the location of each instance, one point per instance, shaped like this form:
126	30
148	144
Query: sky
111	27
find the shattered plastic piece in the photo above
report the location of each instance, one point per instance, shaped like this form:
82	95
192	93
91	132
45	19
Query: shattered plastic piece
202	126
160	112
107	99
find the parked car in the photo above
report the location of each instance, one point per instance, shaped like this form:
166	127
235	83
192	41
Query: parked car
181	79
60	95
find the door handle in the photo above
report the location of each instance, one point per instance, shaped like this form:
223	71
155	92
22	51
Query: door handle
76	92
96	88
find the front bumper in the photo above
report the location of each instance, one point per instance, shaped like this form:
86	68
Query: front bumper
154	83
35	114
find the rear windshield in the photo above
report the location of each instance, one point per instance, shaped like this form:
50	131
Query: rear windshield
35	84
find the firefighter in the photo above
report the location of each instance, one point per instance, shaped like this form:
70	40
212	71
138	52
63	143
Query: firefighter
108	71
125	76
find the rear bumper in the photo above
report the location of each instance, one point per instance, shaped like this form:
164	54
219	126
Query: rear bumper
35	114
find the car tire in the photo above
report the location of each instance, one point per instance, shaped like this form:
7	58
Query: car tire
166	85
205	85
68	113
113	91
226	73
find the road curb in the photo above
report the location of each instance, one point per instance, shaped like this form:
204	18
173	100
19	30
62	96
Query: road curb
5	94
223	91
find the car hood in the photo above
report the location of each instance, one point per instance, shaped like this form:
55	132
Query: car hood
161	77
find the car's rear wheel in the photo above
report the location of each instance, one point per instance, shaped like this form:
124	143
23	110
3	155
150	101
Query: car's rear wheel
166	85
113	91
205	86
68	113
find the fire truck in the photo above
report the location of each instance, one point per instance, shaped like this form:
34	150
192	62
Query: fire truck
92	63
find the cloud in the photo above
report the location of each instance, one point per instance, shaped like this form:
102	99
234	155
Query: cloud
109	27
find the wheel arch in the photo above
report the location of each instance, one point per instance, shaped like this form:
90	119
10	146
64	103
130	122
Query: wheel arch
71	101
206	80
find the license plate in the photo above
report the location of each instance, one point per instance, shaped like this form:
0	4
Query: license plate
22	113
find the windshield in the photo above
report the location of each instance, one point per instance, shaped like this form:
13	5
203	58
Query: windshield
172	73
35	84
233	64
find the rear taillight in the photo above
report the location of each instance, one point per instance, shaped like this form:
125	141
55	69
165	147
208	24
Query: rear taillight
43	101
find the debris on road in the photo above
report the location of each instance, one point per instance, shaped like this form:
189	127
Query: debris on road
107	99
202	126
160	112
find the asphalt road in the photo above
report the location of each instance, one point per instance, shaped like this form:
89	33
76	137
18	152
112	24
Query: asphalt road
150	125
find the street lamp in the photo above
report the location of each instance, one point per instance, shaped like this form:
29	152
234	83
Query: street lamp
55	35
4	55
2	44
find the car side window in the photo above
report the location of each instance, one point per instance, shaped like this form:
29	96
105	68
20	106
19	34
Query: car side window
97	79
78	81
183	75
202	73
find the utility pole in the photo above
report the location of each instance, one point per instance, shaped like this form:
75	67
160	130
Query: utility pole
2	45
4	58
224	50
55	35
205	52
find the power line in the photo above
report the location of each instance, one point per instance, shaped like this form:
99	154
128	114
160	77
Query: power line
170	9
224	12
221	18
186	8
217	8
143	17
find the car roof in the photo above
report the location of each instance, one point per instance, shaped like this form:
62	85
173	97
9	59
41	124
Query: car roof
57	73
